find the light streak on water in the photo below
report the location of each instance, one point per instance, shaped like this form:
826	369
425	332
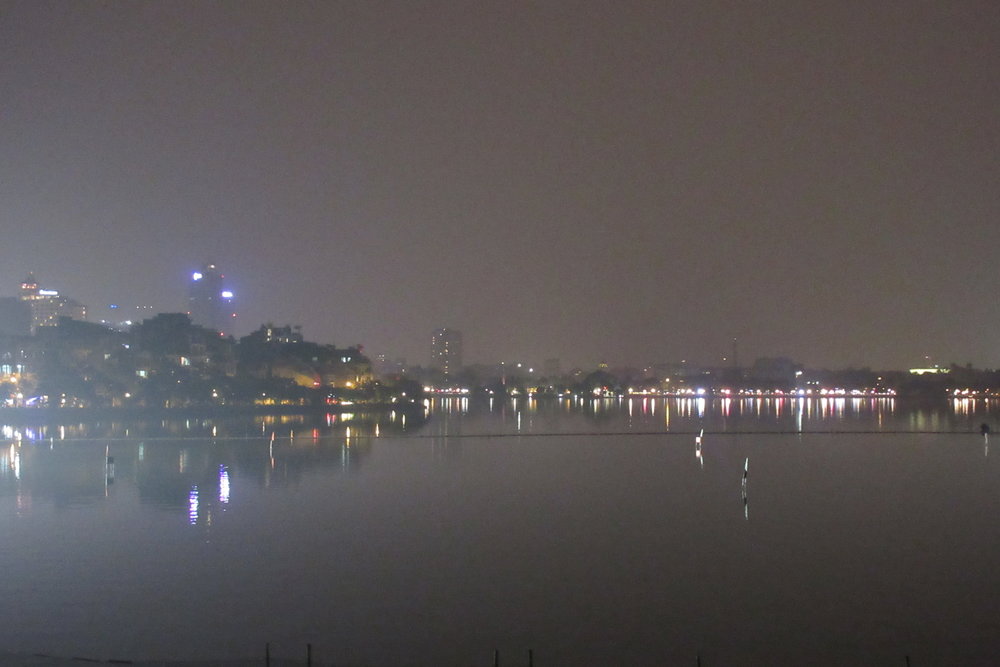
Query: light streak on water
193	505
223	485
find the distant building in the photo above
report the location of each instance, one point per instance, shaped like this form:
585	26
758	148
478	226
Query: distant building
15	317
121	318
47	306
446	350
933	370
386	367
269	333
383	366
280	352
285	334
210	303
778	371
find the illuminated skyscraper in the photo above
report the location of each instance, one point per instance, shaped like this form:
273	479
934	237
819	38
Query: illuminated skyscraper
210	304
446	350
47	305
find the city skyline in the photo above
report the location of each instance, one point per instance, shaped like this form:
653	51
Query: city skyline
209	302
629	184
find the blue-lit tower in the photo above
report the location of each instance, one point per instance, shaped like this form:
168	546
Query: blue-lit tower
210	304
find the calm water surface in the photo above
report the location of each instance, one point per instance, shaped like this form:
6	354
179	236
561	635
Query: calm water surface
588	532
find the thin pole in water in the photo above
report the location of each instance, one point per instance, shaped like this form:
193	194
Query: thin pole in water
309	655
496	657
746	504
531	658
267	654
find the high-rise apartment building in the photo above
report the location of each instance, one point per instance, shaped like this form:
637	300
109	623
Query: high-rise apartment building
446	350
210	304
47	305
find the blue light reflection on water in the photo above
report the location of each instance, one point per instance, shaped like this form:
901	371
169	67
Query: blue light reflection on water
593	548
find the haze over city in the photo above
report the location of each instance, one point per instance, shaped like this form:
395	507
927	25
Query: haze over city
626	183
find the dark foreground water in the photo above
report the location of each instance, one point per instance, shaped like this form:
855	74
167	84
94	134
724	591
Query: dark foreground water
591	534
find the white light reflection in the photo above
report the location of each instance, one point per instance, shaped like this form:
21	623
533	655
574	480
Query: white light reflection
193	505
223	485
12	461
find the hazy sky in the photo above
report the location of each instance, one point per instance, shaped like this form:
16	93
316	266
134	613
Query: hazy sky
622	181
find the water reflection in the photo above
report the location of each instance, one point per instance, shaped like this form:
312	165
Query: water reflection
223	485
530	414
792	414
193	505
55	426
202	472
525	518
197	475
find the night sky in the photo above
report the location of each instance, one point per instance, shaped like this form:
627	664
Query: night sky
594	181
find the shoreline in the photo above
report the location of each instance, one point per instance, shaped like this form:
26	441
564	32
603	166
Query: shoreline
57	415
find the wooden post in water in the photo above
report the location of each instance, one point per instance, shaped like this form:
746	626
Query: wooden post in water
496	657
531	658
267	654
309	655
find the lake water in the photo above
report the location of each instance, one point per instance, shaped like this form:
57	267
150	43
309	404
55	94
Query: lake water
588	532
